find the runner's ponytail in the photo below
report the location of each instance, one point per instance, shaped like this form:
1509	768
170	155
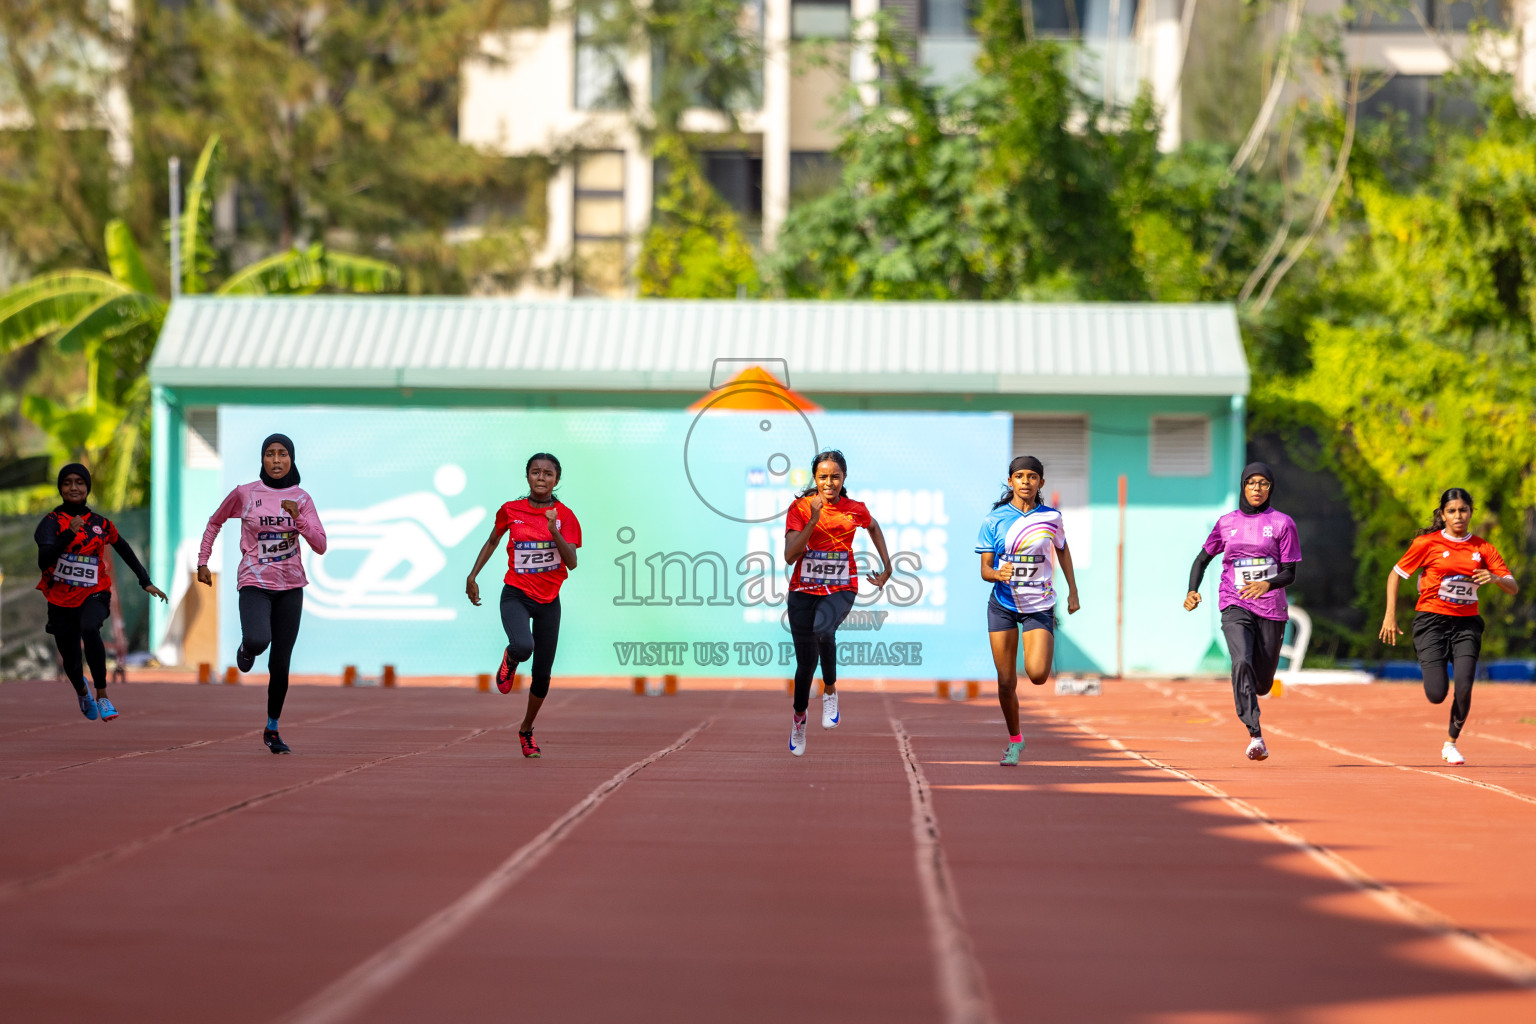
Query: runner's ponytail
1021	462
1437	522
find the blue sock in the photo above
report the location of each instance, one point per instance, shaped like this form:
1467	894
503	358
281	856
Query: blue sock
272	724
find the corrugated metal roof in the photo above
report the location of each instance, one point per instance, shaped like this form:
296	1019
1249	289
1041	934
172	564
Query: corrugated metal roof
662	345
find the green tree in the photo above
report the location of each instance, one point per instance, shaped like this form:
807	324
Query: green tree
110	322
694	247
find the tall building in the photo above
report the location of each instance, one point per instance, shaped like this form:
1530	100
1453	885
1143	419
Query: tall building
544	90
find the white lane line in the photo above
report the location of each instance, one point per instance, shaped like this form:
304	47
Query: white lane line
1487	951
1449	776
1480	734
962	985
179	746
353	991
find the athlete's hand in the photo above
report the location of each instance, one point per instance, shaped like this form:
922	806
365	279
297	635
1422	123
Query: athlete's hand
204	576
816	504
879	578
291	507
1482	576
1072	602
77	523
473	590
1192	600
1254	590
155	591
1389	632
549	520
1005	571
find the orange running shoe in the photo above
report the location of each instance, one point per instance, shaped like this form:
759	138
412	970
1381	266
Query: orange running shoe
507	672
530	748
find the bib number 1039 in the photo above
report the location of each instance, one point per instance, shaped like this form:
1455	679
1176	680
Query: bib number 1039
77	570
535	556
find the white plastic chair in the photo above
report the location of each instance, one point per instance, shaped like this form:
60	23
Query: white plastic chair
1296	650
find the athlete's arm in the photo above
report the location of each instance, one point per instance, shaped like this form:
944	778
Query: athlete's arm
131	560
1389	631
567	553
1196	574
1064	557
796	541
876	535
487	549
307	521
1003	574
228	509
51	543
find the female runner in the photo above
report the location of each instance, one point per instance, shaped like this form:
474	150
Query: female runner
818	540
1015	544
274	512
1447	627
77	583
1259	556
541	552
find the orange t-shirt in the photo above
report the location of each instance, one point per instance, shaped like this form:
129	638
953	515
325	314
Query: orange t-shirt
1446	586
827	565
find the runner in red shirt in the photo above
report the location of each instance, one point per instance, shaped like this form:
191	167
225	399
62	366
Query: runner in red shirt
818	539
541	551
1447	627
77	583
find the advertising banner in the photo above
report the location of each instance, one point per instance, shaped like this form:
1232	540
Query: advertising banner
682	517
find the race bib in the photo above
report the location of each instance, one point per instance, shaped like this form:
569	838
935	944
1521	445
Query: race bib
77	570
826	568
1031	575
535	556
1252	570
1458	589
272	546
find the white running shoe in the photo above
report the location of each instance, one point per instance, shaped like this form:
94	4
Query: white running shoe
1257	751
1450	755
797	736
829	717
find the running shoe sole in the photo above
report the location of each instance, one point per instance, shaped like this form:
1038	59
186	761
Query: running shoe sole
1011	754
107	710
243	661
504	673
274	742
1258	754
530	748
1458	761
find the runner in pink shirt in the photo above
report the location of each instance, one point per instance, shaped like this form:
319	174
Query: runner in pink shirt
274	512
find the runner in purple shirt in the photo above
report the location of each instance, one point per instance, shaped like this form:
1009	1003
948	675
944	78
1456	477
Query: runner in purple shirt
1259	556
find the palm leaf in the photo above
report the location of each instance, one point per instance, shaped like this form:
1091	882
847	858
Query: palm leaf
109	319
197	221
288	273
52	302
124	258
347	272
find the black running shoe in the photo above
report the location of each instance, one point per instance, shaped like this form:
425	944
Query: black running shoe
244	660
273	741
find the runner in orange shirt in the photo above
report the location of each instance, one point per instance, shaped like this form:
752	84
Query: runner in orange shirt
1447	628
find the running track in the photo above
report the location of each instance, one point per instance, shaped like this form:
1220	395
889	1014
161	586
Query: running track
667	860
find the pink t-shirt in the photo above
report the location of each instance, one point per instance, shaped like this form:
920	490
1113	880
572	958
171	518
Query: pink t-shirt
1252	548
269	537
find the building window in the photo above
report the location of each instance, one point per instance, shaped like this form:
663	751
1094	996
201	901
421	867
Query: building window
201	450
1180	446
738	178
1080	19
600	82
599	223
1419	98
1439	15
1061	445
948	17
820	19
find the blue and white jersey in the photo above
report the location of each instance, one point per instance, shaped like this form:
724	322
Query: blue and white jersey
1025	539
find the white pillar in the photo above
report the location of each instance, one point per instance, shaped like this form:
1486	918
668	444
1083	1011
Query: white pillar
1524	26
862	68
776	88
119	113
1166	49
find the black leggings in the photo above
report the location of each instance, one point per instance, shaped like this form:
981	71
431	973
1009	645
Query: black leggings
1457	639
74	628
813	622
271	617
533	631
1254	644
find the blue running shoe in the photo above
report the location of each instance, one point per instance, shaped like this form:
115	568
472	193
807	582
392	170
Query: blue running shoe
88	706
108	712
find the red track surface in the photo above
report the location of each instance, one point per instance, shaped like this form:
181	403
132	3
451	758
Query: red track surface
667	860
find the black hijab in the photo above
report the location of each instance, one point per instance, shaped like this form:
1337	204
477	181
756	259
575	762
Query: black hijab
70	507
292	479
1250	470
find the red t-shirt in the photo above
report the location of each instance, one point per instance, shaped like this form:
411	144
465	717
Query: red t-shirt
827	565
534	565
1446	585
83	567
